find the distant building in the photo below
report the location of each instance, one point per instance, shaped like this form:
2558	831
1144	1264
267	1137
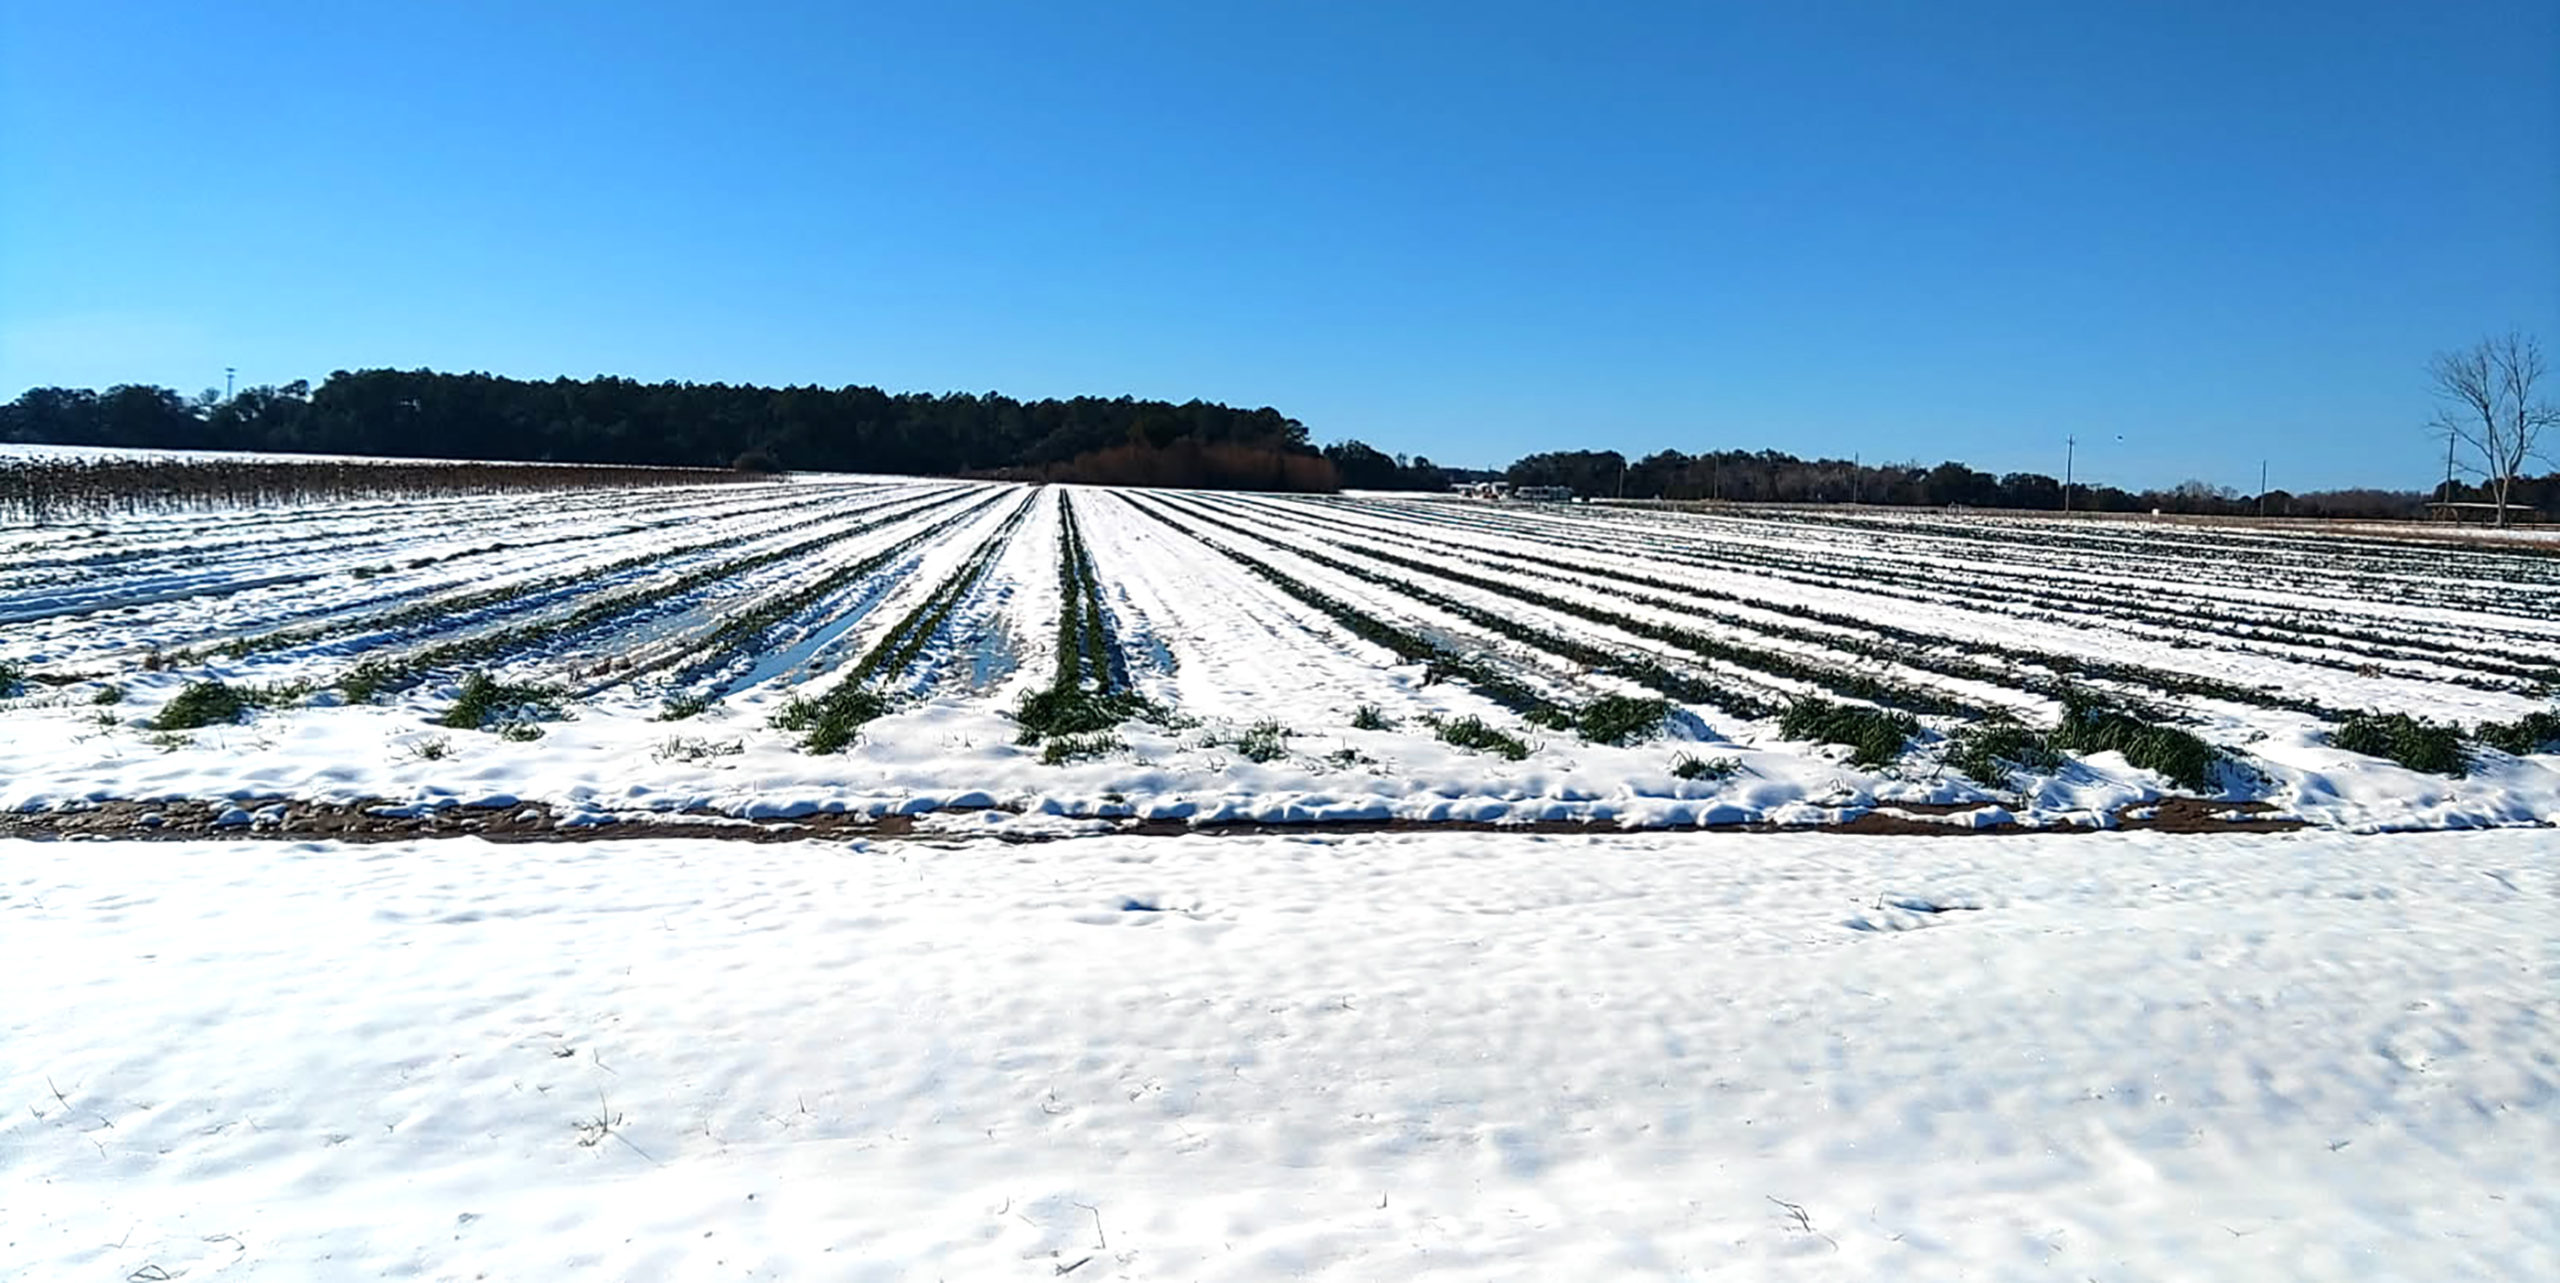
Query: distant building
2516	514
1544	494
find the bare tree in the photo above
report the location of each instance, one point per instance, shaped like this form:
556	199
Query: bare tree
2487	391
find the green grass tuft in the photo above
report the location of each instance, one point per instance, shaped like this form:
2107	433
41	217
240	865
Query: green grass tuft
1369	717
1264	741
834	724
2413	742
364	681
1471	732
1548	717
1690	767
107	695
210	703
1989	749
2532	733
1073	710
680	706
2089	726
13	679
1875	737
1078	748
485	700
1620	719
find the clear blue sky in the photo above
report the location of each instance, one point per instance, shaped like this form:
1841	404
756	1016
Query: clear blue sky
1465	230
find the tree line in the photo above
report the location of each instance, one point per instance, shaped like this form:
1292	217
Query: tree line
1772	476
2489	391
409	413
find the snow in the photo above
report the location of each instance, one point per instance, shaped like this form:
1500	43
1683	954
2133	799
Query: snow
29	450
1449	1055
1990	611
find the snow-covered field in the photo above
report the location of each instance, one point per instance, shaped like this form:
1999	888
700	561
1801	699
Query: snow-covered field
1393	1055
1255	657
2133	1057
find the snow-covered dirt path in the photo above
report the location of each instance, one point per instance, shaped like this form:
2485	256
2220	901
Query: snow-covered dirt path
1453	1055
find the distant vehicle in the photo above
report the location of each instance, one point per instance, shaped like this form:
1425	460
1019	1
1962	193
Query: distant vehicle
1483	489
1544	494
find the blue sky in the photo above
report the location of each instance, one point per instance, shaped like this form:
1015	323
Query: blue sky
1930	230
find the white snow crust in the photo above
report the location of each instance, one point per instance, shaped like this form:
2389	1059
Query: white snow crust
1458	1056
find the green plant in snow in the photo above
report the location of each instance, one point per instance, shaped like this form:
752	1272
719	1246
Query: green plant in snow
13	679
1471	732
1874	736
207	703
1264	741
1369	717
2091	726
2413	742
2532	733
1621	719
1077	748
1689	767
1073	710
485	699
105	695
682	705
364	681
1548	717
695	749
833	724
1989	749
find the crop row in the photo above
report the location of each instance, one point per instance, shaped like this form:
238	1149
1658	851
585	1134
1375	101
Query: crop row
1613	660
1702	646
337	532
831	722
2189	624
742	630
1088	693
2320	562
525	595
1405	644
2112	553
46	489
1863	636
2228	587
367	678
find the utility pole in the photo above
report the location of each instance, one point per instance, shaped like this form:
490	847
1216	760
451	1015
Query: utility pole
2262	487
227	372
2448	467
1622	476
2070	449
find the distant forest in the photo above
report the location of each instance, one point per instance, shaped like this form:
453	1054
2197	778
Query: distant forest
1120	441
1769	476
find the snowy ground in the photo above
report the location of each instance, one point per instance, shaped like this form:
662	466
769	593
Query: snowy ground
2134	1057
1353	631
